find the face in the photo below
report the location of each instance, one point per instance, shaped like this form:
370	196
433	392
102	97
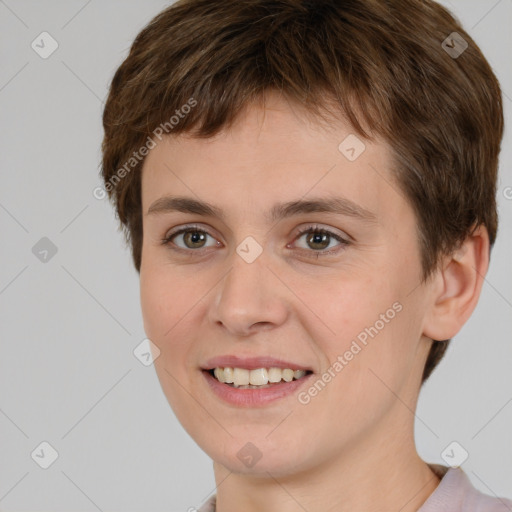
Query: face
304	259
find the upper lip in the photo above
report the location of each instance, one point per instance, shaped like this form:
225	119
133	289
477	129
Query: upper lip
251	363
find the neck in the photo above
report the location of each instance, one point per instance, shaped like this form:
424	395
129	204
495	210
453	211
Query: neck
369	476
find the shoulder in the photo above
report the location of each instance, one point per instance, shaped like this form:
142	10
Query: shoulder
209	505
455	493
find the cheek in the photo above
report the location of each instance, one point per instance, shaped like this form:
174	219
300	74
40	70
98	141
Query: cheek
153	305
351	307
362	378
165	301
383	357
375	332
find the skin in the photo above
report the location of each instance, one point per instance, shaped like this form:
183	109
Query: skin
352	446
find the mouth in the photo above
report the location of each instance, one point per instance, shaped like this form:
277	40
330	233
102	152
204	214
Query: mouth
254	381
257	378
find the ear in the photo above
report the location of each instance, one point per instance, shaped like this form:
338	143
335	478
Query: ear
456	287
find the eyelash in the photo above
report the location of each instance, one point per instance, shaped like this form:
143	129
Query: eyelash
314	229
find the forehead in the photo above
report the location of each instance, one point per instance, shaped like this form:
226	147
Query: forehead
272	153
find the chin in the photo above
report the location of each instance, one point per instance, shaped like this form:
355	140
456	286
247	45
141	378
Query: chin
256	457
278	465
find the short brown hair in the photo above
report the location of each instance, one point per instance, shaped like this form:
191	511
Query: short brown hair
381	62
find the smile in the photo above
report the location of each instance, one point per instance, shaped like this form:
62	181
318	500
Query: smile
258	378
242	395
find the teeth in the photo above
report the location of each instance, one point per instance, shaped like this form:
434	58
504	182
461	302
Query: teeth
219	374
245	379
258	377
287	375
229	375
297	374
240	376
275	374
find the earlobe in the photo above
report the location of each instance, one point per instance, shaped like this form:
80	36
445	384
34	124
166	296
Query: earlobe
457	286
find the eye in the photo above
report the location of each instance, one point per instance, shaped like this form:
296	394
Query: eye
191	237
319	239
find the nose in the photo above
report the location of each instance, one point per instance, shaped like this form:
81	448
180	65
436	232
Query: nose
249	298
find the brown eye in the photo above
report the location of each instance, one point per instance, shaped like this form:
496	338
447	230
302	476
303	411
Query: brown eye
189	238
194	239
319	241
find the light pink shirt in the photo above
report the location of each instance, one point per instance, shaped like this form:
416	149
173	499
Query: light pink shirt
453	494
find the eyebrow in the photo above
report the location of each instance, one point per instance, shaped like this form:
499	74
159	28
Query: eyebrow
336	205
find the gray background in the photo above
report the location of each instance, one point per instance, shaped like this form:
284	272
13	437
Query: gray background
69	326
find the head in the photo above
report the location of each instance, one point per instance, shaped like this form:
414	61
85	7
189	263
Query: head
250	104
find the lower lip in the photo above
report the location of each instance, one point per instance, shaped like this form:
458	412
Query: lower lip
253	397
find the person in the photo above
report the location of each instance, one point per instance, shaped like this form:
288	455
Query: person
308	191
